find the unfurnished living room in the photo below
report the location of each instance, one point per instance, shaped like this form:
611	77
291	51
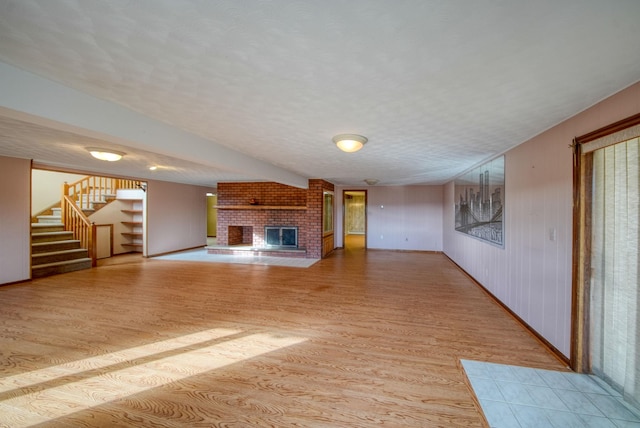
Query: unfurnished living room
319	214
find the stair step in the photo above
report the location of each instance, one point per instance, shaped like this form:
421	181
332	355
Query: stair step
46	227
48	269
63	235
51	246
58	256
48	219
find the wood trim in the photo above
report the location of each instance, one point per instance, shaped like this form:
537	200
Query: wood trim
30	227
576	338
581	265
344	213
327	245
94	244
552	349
609	129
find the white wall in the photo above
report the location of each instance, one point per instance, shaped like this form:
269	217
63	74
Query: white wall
399	217
47	188
532	273
15	219
176	217
112	214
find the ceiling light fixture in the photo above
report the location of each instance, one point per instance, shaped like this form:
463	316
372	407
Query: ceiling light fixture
104	154
349	142
371	181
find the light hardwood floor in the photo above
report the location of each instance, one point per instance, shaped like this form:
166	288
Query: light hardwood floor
359	339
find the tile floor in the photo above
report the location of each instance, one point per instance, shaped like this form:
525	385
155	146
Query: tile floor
521	397
201	255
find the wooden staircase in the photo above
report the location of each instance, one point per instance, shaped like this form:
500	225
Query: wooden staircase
63	239
53	250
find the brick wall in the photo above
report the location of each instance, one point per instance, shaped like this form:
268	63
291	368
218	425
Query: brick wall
309	221
265	193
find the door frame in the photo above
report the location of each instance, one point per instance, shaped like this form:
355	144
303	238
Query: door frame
580	296
344	214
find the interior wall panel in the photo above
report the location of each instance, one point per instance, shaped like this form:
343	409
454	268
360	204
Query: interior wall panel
15	219
176	217
532	273
399	217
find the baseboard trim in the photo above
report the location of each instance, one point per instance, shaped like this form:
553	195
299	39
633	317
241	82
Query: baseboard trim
406	251
176	251
20	281
552	349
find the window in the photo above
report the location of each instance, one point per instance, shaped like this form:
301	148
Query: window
327	212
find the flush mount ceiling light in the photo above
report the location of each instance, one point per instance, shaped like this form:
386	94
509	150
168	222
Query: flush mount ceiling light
371	181
104	154
349	142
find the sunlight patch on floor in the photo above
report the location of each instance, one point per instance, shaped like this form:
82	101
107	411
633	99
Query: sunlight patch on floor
45	394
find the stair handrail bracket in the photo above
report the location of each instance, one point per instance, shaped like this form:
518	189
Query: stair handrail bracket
83	229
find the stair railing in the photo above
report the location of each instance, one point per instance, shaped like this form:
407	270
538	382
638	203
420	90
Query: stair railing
93	189
76	221
78	196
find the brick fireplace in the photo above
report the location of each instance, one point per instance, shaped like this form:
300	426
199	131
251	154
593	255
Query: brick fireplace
244	209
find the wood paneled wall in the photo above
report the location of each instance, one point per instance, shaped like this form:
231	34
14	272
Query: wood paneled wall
532	273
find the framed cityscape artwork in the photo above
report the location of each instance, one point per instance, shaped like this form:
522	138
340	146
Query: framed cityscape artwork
479	202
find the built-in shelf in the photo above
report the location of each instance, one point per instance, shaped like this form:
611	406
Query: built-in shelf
261	207
132	234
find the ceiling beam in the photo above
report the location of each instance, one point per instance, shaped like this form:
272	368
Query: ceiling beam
29	97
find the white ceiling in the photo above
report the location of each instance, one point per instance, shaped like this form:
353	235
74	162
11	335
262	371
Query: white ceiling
436	86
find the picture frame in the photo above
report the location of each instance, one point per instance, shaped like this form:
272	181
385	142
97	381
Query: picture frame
480	202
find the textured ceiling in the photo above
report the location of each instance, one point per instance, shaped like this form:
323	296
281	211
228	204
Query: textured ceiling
436	86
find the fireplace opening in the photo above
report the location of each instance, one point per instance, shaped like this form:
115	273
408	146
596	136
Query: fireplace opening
281	236
240	235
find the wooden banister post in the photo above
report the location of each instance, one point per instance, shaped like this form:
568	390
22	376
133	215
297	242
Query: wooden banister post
93	245
63	204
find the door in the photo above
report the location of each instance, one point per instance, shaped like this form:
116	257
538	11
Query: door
607	286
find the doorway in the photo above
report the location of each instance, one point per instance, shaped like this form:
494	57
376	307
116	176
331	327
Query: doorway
116	206
212	219
607	283
355	219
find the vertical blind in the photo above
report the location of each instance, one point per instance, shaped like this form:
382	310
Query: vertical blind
615	294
